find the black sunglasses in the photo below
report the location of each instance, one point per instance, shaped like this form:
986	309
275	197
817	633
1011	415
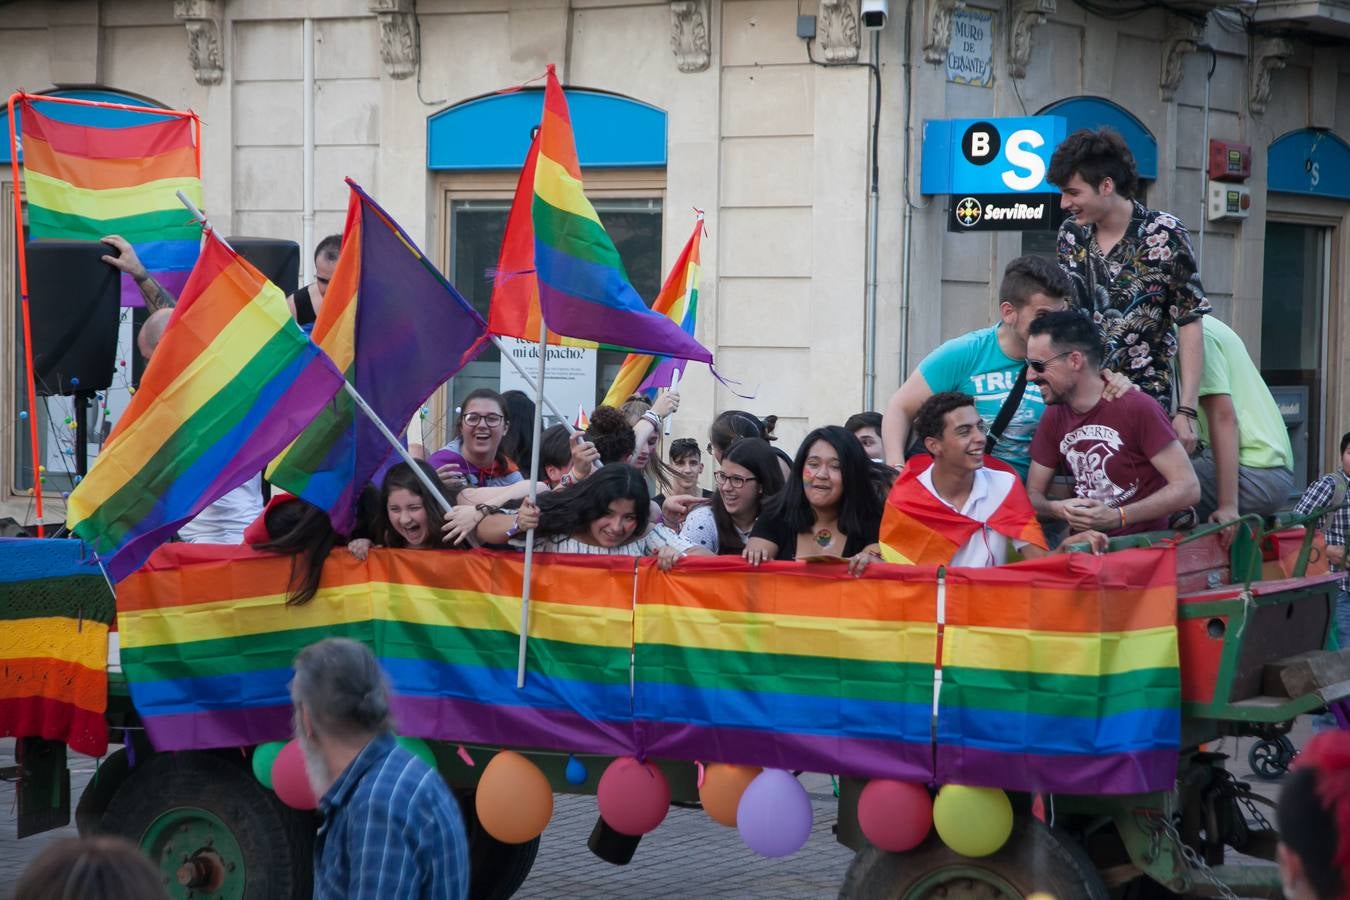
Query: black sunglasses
1038	366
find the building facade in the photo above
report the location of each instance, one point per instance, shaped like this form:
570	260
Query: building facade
812	303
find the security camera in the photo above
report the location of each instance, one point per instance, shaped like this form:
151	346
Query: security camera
874	14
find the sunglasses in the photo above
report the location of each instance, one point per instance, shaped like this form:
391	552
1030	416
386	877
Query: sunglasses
1038	366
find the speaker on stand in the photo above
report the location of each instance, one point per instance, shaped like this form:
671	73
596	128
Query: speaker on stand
74	308
278	260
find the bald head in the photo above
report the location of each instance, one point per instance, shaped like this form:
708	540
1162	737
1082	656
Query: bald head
151	331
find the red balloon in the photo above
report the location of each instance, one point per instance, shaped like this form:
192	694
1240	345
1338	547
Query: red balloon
895	815
634	797
290	780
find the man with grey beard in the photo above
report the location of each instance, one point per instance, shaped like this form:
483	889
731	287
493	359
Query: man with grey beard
391	828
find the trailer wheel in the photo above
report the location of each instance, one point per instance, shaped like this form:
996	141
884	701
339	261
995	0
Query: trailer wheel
496	870
1034	859
212	830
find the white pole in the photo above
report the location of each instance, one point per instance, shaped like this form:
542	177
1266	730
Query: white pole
534	484
307	156
674	386
537	388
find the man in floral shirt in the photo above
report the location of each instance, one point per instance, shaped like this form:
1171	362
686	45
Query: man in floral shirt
1133	268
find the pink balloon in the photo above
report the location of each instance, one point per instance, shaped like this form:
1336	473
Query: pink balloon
634	797
895	815
290	780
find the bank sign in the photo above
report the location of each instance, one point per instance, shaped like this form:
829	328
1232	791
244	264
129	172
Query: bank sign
993	170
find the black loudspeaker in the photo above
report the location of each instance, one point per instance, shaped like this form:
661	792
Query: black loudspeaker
74	303
278	260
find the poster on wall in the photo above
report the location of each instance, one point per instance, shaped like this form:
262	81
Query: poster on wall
970	58
569	380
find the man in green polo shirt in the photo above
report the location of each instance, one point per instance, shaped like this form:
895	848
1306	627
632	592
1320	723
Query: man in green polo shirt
1246	465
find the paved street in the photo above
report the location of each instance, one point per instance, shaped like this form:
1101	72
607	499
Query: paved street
688	856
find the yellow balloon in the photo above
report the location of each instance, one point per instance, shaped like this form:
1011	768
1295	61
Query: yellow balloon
514	800
972	821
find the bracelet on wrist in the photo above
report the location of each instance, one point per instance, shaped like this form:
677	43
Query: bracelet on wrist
1188	411
651	416
1123	521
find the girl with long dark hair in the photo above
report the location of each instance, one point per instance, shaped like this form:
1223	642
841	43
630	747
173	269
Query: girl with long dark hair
409	516
749	478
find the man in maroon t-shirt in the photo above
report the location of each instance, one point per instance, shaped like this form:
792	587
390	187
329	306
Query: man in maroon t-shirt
1130	471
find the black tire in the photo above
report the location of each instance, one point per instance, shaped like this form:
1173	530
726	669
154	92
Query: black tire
100	791
496	870
1269	760
1034	859
275	843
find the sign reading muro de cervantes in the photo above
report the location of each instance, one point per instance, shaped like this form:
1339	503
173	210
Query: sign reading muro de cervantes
970	58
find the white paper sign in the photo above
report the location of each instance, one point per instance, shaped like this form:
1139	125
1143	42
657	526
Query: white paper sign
970	58
569	379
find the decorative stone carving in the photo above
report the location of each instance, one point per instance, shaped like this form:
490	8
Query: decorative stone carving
205	51
1180	39
398	37
689	34
939	29
838	34
1268	54
1025	15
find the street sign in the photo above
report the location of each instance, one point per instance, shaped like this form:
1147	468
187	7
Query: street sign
1002	212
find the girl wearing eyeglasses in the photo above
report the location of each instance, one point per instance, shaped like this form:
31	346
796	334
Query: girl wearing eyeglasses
748	478
474	458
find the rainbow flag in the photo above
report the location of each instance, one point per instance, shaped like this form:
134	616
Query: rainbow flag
514	310
397	330
678	301
83	182
208	641
233	382
792	667
918	529
583	289
56	610
1061	675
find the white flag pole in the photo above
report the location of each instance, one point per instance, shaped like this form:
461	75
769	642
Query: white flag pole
537	388
534	485
674	386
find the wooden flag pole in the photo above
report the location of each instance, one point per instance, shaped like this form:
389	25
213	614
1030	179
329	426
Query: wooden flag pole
534	485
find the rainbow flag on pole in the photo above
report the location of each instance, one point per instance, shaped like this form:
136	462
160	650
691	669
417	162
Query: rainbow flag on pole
233	381
397	330
678	301
583	288
83	182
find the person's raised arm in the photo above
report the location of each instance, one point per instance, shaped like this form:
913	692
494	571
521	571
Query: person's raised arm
900	411
127	261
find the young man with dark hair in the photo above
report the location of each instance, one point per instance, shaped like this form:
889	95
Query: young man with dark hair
1130	472
686	462
957	506
866	427
1330	493
305	302
1314	821
1133	269
986	364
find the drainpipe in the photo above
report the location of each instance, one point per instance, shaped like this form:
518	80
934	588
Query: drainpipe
1204	150
307	175
907	225
870	305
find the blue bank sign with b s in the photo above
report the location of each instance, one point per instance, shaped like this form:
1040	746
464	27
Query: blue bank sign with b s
989	156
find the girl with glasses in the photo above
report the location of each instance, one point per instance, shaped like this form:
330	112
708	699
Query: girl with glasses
474	459
749	477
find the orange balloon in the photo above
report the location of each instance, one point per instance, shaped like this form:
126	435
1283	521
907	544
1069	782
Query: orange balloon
723	784
514	800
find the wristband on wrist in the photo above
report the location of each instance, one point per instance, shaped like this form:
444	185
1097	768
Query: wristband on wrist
652	417
1188	411
1123	520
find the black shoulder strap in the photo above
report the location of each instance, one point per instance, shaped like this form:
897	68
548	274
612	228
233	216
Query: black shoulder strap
1005	412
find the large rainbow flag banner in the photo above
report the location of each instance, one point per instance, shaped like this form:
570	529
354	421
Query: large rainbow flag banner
1063	681
1061	675
397	330
83	182
514	310
583	288
233	381
55	610
678	301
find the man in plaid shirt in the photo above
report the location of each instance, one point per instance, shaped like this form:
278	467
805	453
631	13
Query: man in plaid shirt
391	828
1335	525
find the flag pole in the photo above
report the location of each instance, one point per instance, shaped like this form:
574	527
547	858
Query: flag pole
674	386
538	390
360	401
27	322
534	484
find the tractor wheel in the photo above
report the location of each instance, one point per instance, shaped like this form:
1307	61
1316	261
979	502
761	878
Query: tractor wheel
100	791
1035	859
496	870
212	830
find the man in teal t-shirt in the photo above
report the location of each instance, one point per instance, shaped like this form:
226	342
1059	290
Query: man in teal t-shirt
1246	465
985	364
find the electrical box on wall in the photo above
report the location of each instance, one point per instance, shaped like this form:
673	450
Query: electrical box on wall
1229	201
1229	160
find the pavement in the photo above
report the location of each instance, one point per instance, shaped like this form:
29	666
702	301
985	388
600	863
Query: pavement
688	856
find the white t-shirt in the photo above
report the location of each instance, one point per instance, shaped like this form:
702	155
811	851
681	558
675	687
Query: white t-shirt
701	528
224	521
985	547
657	536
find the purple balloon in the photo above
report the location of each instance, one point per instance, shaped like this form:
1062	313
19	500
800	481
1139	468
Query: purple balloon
774	815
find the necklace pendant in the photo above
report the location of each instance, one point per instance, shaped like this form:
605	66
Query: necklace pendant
824	537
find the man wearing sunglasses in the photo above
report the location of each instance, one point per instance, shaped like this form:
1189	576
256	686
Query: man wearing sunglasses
1130	471
305	302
